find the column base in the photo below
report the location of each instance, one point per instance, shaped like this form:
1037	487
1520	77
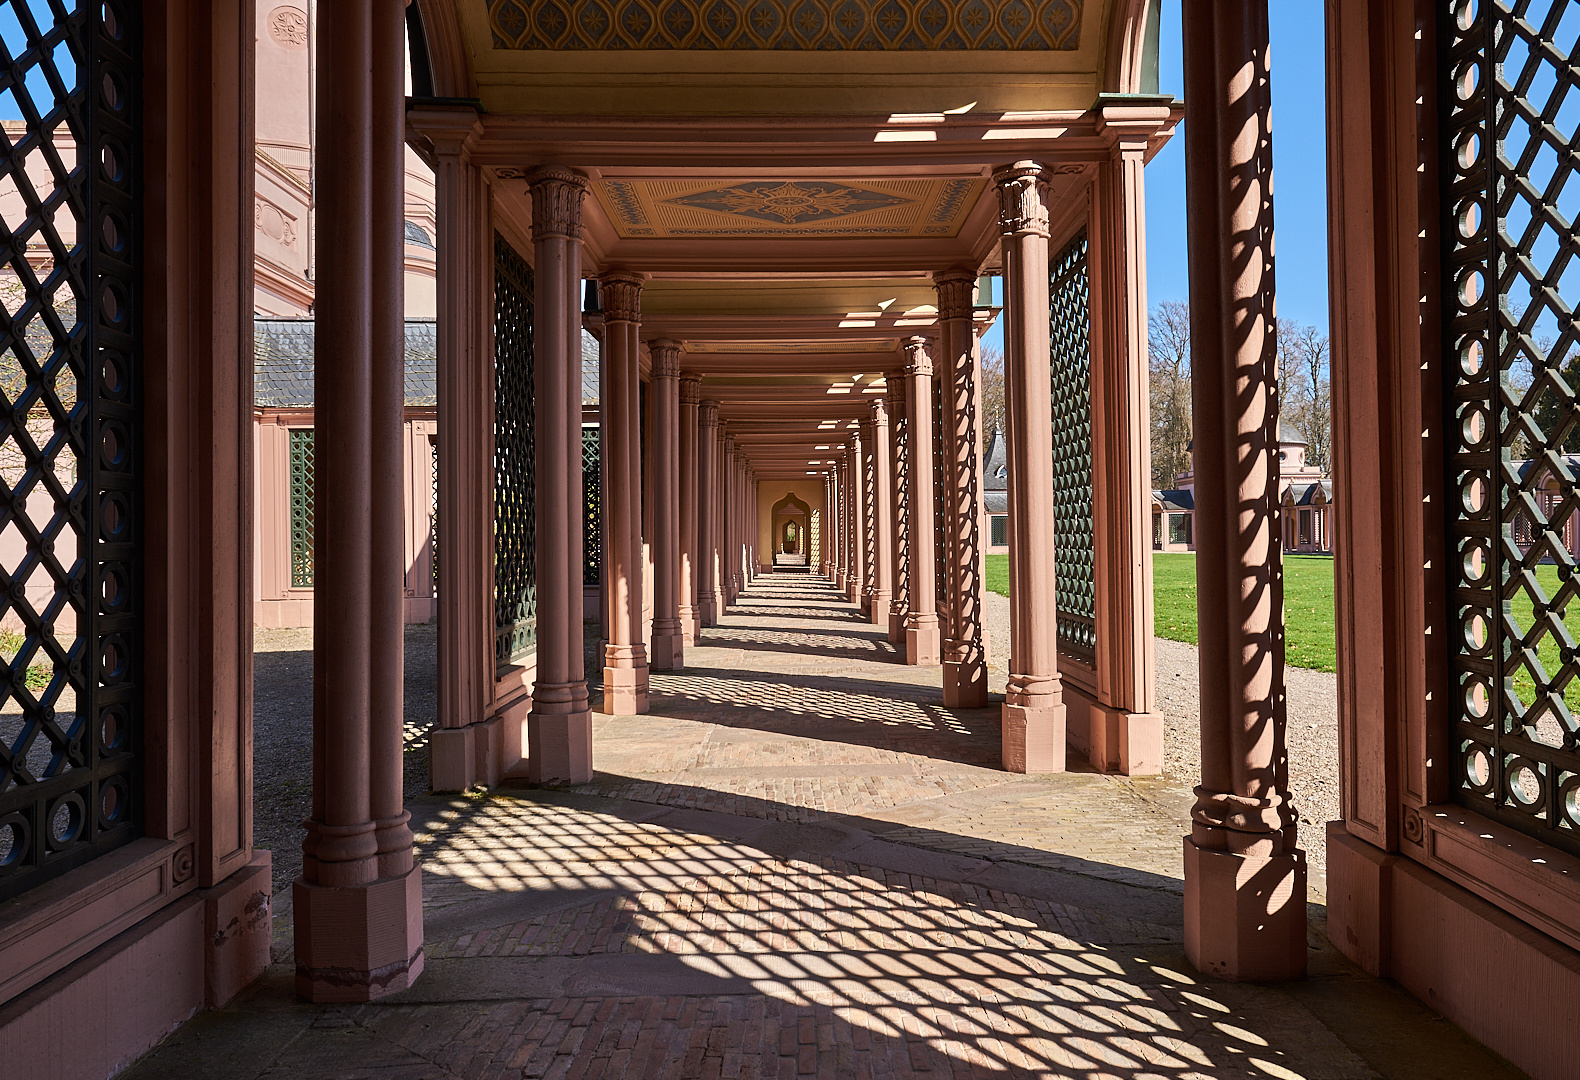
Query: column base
876	609
965	684
896	627
924	646
707	614
1112	740
624	690
559	748
1245	915
669	651
689	625
359	943
1033	738
465	757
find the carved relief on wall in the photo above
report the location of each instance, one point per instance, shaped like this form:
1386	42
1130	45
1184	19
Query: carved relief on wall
840	25
274	223
288	27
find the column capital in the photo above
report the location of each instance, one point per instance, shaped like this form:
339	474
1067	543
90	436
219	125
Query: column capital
1022	198
556	201
918	356
709	417
621	296
666	358
690	388
880	413
956	291
452	130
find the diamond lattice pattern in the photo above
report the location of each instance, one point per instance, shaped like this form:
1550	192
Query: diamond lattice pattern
1070	365
1512	115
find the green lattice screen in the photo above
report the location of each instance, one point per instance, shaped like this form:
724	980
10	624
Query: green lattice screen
301	450
515	474
1070	364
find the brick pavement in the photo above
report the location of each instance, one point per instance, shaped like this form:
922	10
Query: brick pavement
799	865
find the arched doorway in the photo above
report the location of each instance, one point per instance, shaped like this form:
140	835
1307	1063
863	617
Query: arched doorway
790	524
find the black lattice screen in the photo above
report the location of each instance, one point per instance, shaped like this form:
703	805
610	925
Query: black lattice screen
902	481
1070	363
515	478
592	521
70	437
300	449
943	457
1509	108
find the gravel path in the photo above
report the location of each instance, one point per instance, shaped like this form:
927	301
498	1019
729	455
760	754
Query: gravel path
1313	732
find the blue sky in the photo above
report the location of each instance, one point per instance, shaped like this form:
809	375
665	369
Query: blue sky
1300	200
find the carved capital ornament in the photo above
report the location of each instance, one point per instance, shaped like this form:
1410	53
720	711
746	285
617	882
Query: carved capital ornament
1022	199
918	356
620	293
557	194
956	293
690	388
710	414
666	358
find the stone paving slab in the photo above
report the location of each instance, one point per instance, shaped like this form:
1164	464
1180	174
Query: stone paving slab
825	876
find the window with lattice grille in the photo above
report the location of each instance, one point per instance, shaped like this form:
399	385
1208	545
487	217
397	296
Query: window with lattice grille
302	510
1510	101
998	530
515	477
70	413
1070	365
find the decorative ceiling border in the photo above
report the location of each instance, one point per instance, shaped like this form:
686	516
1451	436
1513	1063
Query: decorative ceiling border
830	25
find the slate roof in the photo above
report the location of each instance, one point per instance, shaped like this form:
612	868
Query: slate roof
1174	499
996	502
282	365
1306	494
995	463
1288	433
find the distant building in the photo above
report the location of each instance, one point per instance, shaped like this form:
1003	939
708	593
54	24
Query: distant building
1305	495
995	493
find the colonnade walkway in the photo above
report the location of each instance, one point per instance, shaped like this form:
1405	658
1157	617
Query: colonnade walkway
800	864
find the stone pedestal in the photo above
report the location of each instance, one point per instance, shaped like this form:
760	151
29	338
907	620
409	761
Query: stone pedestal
1245	915
370	944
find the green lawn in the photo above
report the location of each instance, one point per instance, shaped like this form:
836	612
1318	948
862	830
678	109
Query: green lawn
1308	604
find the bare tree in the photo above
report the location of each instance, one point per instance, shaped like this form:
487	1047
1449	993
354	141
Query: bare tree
992	390
1305	391
1168	346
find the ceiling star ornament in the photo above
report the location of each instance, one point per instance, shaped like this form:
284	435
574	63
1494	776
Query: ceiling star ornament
790	202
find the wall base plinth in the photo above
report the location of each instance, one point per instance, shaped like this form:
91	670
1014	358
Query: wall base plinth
194	953
1245	915
965	684
624	691
559	747
1113	740
466	757
358	943
1400	920
923	646
1033	738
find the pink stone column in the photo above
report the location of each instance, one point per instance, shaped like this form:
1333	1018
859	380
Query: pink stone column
625	657
465	451
858	518
559	727
960	613
1034	715
707	513
664	396
1245	878
883	505
690	562
899	532
923	643
358	901
727	567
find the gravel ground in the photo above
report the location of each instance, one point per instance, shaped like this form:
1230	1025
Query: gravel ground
282	735
1313	731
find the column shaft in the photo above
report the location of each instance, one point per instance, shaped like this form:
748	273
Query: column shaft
358	902
1245	878
857	530
898	506
960	612
559	728
1034	715
668	640
707	512
922	639
690	564
625	657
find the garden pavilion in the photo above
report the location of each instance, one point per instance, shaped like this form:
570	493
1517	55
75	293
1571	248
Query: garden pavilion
786	214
